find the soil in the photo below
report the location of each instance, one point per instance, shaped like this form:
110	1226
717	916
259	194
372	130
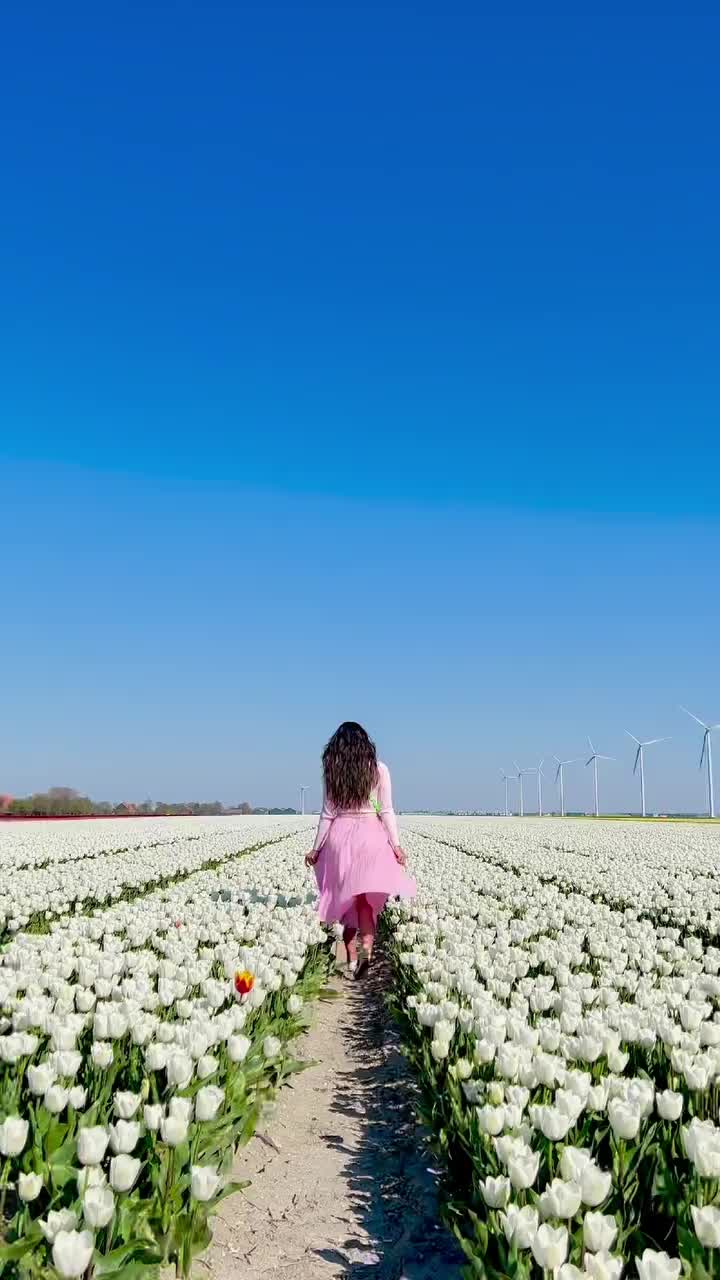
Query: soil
342	1184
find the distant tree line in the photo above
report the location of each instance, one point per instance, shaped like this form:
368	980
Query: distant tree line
64	802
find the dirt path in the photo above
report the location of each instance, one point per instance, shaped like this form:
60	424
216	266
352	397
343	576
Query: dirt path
340	1185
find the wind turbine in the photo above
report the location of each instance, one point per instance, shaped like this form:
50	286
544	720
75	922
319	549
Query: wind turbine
506	778
706	755
519	776
595	756
640	760
302	800
560	774
540	776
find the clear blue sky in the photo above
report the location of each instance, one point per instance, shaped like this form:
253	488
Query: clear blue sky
356	361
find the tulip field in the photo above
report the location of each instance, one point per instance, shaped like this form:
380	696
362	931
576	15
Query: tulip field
152	977
556	985
558	989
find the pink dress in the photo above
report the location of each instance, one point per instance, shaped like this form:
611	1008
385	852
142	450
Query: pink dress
357	856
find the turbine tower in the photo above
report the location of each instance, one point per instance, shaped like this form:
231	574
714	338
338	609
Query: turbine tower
595	756
540	776
519	776
560	774
640	760
506	778
706	755
302	800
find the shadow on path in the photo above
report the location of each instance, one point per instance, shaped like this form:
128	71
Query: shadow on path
388	1173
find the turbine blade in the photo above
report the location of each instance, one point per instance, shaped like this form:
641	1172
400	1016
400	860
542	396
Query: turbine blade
651	741
590	743
557	771
704	745
587	762
694	717
637	759
632	735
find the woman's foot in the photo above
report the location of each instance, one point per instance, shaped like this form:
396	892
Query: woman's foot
350	970
363	965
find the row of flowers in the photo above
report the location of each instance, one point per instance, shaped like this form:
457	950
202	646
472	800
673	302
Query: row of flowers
139	1046
30	897
43	842
568	1050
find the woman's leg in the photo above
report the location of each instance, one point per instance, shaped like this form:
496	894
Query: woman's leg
366	924
350	940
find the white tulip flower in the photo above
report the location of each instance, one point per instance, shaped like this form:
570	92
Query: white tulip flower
72	1251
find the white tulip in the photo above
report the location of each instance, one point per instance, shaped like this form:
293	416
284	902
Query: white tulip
56	1099
98	1206
595	1186
237	1048
523	1170
124	1136
124	1172
204	1182
599	1232
603	1266
624	1119
669	1104
208	1101
13	1135
206	1066
706	1222
29	1186
495	1192
180	1069
92	1144
550	1247
490	1119
658	1266
126	1104
560	1200
40	1078
58	1220
520	1225
102	1054
153	1114
181	1108
72	1251
173	1130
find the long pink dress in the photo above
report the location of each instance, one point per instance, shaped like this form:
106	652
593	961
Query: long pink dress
357	856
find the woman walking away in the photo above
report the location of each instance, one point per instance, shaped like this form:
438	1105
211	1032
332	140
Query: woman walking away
357	855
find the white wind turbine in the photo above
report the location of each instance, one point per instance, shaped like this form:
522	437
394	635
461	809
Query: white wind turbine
595	756
706	755
519	776
540	776
506	777
640	760
560	774
302	799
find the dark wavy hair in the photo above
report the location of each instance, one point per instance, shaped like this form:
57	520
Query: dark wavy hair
350	766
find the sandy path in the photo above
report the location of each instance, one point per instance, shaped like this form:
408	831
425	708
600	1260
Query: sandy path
340	1186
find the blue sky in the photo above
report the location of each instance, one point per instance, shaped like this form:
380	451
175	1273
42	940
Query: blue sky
357	361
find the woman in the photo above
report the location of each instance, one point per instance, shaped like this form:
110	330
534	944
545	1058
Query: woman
357	855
